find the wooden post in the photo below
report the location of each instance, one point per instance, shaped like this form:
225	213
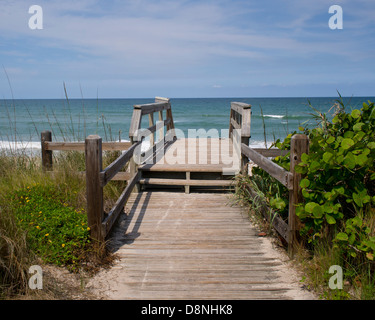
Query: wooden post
46	154
299	144
94	190
245	135
187	187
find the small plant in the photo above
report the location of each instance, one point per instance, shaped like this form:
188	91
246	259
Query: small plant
56	232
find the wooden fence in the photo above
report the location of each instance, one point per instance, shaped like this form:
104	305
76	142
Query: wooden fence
290	179
97	177
240	116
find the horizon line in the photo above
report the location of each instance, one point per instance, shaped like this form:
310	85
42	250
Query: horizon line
233	97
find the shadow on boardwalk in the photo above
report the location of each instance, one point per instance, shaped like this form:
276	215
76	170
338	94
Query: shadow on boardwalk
193	246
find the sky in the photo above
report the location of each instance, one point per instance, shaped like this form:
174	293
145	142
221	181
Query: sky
186	48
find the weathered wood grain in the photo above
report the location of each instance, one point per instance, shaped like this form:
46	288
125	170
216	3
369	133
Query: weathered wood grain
196	246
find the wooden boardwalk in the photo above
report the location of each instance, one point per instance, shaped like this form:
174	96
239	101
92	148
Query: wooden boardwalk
174	245
184	244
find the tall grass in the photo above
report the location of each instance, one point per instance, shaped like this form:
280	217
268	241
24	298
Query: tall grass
20	169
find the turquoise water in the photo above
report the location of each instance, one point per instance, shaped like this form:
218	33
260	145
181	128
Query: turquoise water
72	120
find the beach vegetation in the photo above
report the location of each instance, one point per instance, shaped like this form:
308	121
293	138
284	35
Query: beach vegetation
338	187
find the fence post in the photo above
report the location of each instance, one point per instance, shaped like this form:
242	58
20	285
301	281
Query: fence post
94	189
299	144
46	154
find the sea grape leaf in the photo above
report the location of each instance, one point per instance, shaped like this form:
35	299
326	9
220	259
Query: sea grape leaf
356	113
330	219
347	143
342	236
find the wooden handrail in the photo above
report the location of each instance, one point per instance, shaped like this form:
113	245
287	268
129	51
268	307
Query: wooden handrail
240	119
80	146
283	176
299	145
108	173
119	205
136	133
96	179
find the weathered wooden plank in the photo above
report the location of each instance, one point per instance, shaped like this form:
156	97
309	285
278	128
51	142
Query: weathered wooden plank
152	129
182	168
46	137
94	190
80	146
135	125
279	173
152	107
108	173
271	152
245	125
234	124
239	107
185	182
119	205
299	145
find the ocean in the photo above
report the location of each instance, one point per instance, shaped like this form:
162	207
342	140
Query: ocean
22	120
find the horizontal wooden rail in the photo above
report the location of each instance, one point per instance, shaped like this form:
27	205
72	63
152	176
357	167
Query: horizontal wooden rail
152	129
119	205
279	224
108	173
283	176
271	153
80	146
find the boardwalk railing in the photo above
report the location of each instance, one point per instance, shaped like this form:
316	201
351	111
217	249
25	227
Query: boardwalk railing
48	146
290	179
96	179
136	133
239	123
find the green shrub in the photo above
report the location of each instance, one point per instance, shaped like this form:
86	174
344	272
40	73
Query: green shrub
56	231
338	185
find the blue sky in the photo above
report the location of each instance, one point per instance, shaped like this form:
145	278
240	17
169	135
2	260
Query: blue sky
173	48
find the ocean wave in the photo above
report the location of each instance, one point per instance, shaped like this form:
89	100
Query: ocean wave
274	116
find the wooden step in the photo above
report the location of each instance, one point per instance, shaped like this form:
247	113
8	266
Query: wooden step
182	168
183	182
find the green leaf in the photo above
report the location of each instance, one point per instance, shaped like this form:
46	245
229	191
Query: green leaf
358	126
361	159
371	145
315	165
327	156
309	207
278	203
358	199
347	143
330	219
336	119
342	236
331	139
304	157
304	183
318	211
328	207
349	160
356	113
